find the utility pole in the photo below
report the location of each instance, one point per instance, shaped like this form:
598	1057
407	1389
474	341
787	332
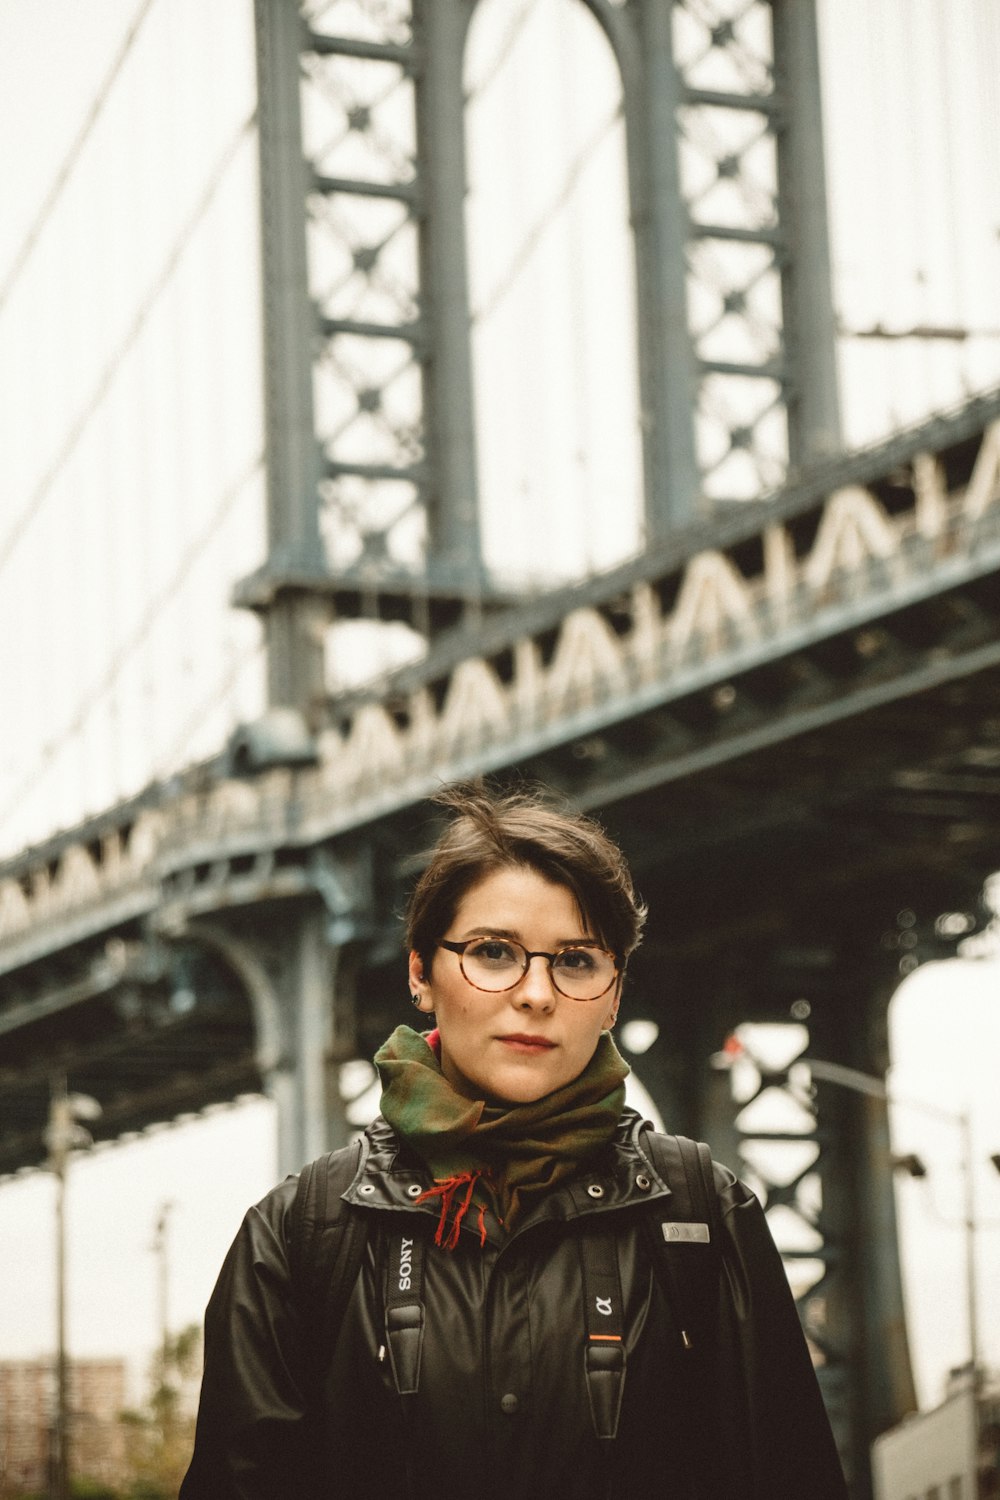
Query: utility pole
63	1134
165	1397
160	1250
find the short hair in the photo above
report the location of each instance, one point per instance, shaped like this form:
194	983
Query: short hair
491	830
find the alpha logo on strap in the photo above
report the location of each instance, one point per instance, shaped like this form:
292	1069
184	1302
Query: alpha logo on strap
604	1307
688	1234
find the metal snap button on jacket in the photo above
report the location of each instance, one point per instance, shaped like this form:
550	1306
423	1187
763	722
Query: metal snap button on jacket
508	1404
414	1190
595	1190
367	1188
643	1183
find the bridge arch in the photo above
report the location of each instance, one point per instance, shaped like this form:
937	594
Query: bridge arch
270	1043
289	983
552	289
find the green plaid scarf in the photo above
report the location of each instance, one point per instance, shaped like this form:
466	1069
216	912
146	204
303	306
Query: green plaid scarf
512	1154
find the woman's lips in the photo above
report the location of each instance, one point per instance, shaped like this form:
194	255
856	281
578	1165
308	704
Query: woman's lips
527	1043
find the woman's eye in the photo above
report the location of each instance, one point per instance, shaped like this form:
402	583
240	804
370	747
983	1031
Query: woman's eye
576	961
493	951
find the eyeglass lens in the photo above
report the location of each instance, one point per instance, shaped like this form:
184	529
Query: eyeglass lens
582	973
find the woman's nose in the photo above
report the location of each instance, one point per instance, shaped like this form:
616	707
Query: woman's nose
536	987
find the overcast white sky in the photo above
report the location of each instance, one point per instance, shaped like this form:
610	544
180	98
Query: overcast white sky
915	185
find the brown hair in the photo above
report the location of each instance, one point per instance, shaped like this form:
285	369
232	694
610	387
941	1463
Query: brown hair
492	830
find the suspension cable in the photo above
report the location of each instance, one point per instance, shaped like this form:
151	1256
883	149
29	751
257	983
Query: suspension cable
530	242
508	41
51	750
43	489
65	172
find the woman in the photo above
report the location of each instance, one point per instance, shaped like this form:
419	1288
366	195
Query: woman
518	1326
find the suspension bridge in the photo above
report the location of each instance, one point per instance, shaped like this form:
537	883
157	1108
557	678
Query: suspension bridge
782	694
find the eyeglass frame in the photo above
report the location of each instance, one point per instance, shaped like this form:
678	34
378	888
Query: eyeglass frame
550	958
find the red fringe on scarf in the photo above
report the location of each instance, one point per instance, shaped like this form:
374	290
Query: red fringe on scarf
454	1206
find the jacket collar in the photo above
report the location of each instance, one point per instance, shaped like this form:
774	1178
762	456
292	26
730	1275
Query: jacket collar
620	1176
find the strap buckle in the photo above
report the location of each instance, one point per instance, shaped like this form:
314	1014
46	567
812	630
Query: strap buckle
604	1365
404	1328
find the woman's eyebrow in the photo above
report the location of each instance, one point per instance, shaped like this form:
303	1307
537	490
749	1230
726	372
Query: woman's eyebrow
502	932
515	937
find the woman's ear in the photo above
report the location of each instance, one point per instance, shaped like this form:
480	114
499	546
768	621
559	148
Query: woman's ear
420	989
616	1000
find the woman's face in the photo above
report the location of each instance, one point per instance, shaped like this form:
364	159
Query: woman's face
516	1046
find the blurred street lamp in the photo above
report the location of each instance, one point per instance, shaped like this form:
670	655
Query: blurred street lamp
910	1163
63	1135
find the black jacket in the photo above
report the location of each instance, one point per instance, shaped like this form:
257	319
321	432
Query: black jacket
502	1409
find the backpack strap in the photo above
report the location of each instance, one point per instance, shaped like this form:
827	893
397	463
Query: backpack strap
604	1350
327	1244
684	1239
685	1234
326	1247
404	1301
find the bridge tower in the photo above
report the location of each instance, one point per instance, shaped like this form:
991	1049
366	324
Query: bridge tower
727	204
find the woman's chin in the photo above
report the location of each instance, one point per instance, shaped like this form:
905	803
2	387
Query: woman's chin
511	1099
518	1088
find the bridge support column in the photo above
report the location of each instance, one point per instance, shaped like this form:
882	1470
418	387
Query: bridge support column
440	30
857	1310
296	614
303	1082
827	1182
668	374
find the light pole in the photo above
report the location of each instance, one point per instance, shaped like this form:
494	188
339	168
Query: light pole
63	1134
160	1250
865	1083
